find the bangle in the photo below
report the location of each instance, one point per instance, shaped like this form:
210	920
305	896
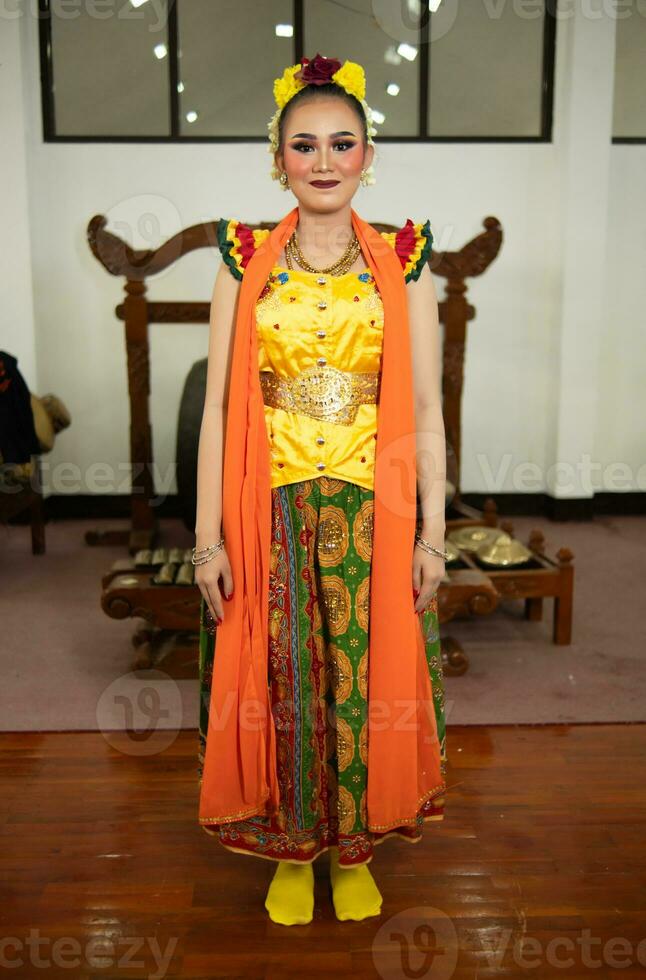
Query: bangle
209	547
430	548
201	555
198	553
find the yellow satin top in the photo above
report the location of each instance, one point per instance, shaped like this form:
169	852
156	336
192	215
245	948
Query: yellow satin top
305	319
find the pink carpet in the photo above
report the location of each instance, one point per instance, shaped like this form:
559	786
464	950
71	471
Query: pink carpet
67	666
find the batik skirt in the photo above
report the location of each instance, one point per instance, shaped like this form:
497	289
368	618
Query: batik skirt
319	590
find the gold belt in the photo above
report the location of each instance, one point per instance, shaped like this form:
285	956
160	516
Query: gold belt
322	392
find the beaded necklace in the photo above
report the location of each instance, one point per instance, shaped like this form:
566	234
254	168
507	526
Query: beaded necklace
293	255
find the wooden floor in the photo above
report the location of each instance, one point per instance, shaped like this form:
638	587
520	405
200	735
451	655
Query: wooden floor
538	870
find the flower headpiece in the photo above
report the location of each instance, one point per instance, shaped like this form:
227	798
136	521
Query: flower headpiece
319	71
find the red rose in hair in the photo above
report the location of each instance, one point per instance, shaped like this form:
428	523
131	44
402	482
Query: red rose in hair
318	71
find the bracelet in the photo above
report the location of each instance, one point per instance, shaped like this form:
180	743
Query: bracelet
202	561
201	555
430	548
209	547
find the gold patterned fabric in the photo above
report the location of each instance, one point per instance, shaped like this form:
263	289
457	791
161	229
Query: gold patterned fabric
319	622
319	355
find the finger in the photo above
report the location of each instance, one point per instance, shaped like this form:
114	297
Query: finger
424	599
419	599
210	603
205	597
210	620
227	583
417	577
215	599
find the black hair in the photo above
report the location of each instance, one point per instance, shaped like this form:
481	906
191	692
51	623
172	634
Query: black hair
329	90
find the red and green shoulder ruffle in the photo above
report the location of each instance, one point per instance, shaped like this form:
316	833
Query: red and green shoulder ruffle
237	243
413	244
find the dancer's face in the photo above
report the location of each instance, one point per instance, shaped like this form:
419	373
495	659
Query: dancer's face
323	141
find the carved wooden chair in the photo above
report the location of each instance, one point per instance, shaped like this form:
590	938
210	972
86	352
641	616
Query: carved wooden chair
129	590
138	313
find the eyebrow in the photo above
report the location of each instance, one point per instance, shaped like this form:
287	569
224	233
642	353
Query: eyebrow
311	136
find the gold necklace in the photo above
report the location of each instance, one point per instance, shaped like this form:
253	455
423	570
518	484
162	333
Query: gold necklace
346	261
341	265
293	254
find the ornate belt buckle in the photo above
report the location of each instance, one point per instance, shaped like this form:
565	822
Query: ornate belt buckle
321	390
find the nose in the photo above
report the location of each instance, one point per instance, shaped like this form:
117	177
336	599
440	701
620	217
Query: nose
323	163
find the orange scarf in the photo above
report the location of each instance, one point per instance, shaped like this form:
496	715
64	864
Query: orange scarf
239	776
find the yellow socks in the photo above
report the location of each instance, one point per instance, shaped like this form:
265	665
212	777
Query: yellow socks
354	891
290	899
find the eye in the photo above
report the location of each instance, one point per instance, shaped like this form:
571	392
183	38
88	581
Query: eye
344	145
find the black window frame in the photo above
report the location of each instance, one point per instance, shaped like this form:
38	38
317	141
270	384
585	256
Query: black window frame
49	115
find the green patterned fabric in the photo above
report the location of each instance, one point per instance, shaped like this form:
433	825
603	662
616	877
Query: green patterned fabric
319	601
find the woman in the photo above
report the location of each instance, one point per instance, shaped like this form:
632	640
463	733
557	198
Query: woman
322	704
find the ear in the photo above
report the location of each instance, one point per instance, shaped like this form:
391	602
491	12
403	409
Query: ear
368	156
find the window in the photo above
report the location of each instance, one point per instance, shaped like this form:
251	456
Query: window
629	117
229	56
486	72
185	70
105	78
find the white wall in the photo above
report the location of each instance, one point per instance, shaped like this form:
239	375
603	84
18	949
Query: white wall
554	365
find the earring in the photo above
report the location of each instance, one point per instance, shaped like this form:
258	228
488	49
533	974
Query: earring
283	180
367	176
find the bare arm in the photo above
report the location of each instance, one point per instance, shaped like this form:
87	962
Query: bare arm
429	423
208	524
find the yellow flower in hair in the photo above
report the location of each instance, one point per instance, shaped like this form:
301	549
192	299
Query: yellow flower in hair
352	78
286	87
319	70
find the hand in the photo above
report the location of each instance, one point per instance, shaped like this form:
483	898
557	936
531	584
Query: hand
207	578
428	572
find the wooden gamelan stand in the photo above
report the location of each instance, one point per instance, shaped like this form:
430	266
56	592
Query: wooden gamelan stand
157	585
